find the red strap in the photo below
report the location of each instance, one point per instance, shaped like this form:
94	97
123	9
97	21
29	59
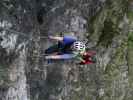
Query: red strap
86	62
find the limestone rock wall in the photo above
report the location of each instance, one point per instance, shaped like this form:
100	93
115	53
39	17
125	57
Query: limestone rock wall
103	24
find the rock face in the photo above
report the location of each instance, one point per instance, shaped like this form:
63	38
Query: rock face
103	24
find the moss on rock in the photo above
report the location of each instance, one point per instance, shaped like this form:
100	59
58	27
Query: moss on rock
104	25
130	57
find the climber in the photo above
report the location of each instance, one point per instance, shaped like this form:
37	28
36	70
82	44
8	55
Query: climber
68	47
61	50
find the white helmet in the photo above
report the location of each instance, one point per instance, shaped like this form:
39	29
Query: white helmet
78	46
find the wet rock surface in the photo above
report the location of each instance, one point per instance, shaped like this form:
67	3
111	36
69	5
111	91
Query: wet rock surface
103	24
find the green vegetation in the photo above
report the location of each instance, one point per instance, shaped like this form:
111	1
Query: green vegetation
130	15
4	78
130	38
130	57
130	47
113	73
105	24
108	32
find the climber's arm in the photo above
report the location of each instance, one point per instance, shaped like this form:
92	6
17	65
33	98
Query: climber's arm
57	38
63	56
65	39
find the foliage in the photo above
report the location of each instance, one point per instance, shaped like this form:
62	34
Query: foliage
105	24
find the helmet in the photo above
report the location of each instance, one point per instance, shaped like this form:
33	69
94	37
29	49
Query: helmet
78	46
